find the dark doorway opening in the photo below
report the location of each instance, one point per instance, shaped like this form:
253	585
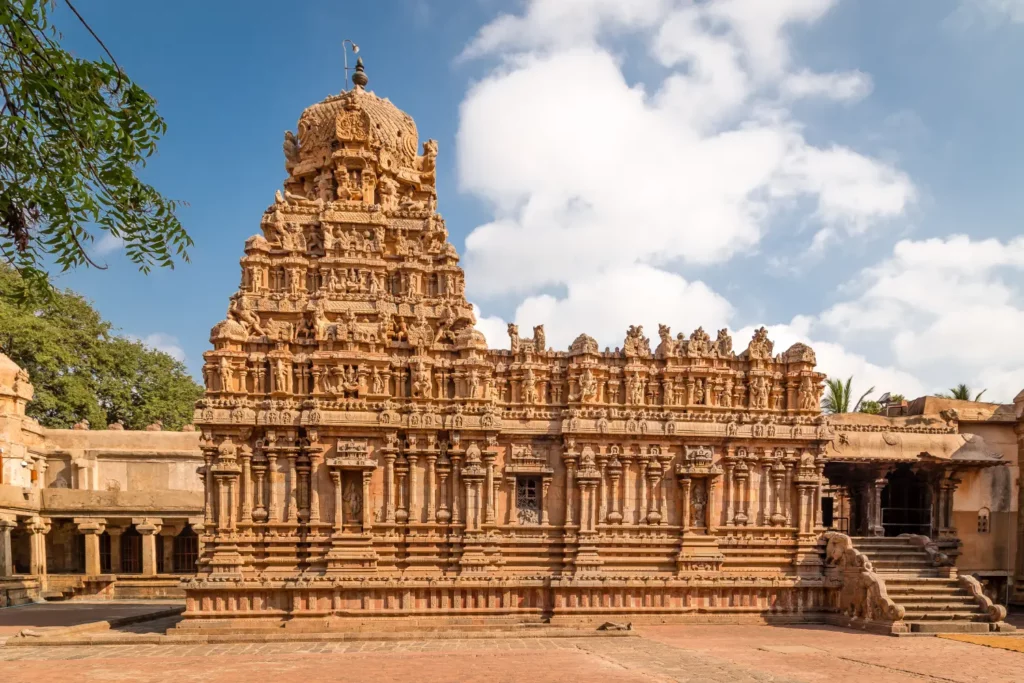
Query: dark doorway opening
906	503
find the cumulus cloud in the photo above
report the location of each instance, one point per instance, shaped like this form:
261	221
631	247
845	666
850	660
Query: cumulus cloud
847	87
107	244
589	175
987	12
947	309
160	341
605	192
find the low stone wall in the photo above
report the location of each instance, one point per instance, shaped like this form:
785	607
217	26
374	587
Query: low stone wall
19	591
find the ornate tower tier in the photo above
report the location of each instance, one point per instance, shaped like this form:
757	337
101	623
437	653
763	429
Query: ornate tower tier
366	453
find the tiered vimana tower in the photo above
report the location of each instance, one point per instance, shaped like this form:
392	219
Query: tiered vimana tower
367	455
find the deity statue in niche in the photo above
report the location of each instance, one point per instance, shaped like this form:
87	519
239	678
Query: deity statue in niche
698	502
352	497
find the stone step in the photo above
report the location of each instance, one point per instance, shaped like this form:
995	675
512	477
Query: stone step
947	627
911	588
915	596
891	565
54	596
966	605
943	615
901	552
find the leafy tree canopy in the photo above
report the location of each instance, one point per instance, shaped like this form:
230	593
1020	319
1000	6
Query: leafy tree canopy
871	407
82	370
73	134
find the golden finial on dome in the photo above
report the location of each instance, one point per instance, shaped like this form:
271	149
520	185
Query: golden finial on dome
359	78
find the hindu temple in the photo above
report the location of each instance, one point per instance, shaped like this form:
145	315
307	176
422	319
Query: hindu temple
361	455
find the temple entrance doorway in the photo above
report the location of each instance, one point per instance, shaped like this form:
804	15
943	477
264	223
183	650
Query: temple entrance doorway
906	503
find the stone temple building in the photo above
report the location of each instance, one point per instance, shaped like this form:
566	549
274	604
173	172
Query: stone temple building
364	455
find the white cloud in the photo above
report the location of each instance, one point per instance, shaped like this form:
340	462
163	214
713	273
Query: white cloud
577	161
160	341
107	244
849	86
603	191
990	11
946	309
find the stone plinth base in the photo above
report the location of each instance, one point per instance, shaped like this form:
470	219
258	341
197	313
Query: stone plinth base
328	603
19	591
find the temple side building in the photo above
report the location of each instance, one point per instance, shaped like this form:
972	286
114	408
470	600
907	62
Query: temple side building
93	513
361	452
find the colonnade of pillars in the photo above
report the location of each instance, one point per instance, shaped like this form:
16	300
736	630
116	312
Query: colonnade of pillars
157	544
37	528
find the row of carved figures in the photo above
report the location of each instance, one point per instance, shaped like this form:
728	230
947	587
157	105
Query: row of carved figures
302	280
420	380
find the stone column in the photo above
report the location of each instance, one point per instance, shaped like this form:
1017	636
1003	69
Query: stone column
614	472
741	476
7	522
513	504
457	491
472	506
401	514
166	546
947	491
489	486
246	489
292	499
208	484
367	508
274	511
875	487
727	486
663	484
684	503
338	504
641	473
602	490
431	485
543	502
149	529
628	486
115	548
570	467
314	490
412	496
778	478
259	487
585	505
443	515
38	527
389	487
91	528
232	501
711	511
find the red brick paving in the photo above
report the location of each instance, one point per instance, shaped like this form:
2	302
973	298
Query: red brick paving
732	654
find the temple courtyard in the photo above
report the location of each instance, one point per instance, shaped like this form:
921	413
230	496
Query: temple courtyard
649	653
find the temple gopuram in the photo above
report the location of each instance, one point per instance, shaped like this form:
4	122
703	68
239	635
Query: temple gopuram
367	456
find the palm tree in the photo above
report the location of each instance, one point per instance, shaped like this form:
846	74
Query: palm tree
962	392
838	394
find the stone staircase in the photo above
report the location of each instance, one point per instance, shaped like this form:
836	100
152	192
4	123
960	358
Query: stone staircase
935	600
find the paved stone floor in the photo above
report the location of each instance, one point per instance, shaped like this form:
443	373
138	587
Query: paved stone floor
664	653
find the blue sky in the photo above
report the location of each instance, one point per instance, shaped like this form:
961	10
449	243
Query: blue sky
846	172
